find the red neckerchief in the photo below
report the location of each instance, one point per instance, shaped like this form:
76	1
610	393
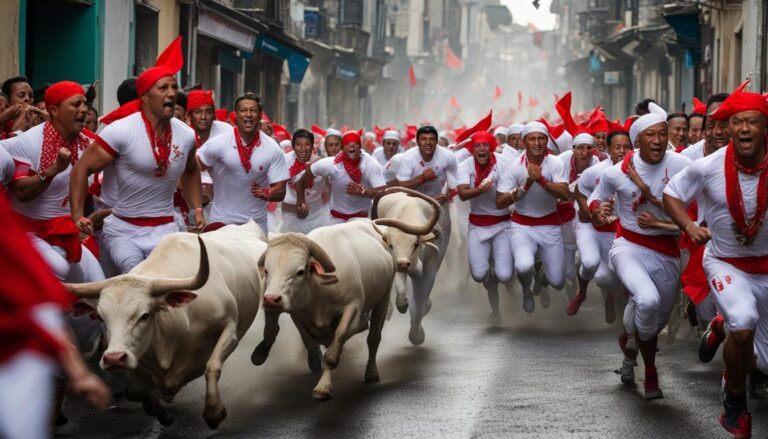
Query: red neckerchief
296	168
352	168
483	173
245	151
744	230
524	158
599	154
52	142
161	148
574	174
626	165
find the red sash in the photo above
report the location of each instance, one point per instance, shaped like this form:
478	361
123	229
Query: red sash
611	227
664	244
547	220
148	222
60	232
487	220
749	264
210	227
348	216
566	211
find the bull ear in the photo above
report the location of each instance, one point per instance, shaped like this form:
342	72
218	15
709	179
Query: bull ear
177	299
428	237
82	308
260	264
320	275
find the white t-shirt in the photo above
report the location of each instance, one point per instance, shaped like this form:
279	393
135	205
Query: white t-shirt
484	204
566	158
390	168
26	149
233	202
443	163
704	181
312	196
381	159
218	128
590	178
142	194
341	201
7	168
695	151
614	181
462	154
537	202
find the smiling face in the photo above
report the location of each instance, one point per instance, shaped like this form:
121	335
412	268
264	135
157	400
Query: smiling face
678	131
619	147
601	140
535	145
748	130
247	117
332	145
160	100
70	114
92	120
303	149
390	147
652	143
427	144
482	153
202	118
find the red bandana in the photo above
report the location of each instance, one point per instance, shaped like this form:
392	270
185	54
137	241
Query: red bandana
161	148
483	173
245	151
524	158
352	168
574	174
296	168
626	165
744	230
52	142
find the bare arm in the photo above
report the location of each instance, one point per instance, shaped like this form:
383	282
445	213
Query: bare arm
192	189
29	188
94	159
676	210
581	200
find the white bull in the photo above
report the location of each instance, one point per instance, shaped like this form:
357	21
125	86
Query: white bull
169	322
417	251
335	282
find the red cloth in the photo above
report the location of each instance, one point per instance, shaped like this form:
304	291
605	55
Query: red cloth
482	125
566	211
210	227
199	98
749	264
597	122
296	168
161	148
352	168
123	111
487	220
221	114
52	142
693	279
480	137
348	216
61	91
352	137
611	227
245	151
60	231
664	244
547	220
168	64
563	108
740	101
148	222
698	106
746	229
317	130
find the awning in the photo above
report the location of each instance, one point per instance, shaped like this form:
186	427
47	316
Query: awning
297	62
687	30
225	30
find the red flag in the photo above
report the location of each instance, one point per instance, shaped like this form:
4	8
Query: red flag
563	107
412	77
497	93
450	59
454	102
482	125
698	106
379	132
519	100
410	133
317	130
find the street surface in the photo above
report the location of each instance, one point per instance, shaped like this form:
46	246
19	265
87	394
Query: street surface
540	376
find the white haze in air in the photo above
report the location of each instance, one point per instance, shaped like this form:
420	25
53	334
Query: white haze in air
523	13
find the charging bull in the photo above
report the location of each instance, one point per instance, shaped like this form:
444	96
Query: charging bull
168	322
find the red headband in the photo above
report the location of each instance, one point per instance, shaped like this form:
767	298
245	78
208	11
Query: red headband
352	136
741	101
221	114
698	106
61	91
199	98
168	64
481	137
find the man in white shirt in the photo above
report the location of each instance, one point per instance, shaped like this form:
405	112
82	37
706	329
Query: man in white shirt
645	255
534	183
247	167
298	160
731	187
390	145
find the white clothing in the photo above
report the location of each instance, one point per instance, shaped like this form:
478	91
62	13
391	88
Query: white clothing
443	163
509	154
390	168
566	156
128	244
378	154
537	202
486	242
547	242
233	202
28	375
484	204
590	178
318	212
7	167
462	154
87	269
593	249
695	151
341	201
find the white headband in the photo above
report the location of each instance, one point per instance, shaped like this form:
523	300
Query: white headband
515	128
656	115
535	127
332	132
500	130
391	135
583	138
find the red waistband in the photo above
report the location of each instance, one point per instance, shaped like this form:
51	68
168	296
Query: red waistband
553	219
348	216
148	222
60	232
749	264
566	212
210	227
487	220
611	227
664	244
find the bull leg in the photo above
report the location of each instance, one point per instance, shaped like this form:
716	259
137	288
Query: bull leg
153	407
214	411
323	391
271	328
333	352
378	317
422	287
401	299
314	355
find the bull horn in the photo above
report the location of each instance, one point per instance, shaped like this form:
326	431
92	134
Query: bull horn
321	256
412	229
162	286
89	290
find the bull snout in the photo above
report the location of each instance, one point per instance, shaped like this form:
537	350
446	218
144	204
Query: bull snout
272	301
403	266
115	360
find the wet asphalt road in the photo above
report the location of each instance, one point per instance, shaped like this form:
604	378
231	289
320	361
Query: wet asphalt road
540	376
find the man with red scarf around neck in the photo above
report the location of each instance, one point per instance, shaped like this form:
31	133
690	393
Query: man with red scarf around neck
44	157
355	179
488	235
645	255
298	160
736	254
534	183
150	150
247	167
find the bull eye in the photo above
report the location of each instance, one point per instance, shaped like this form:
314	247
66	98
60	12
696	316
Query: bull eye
391	247
415	245
144	317
300	272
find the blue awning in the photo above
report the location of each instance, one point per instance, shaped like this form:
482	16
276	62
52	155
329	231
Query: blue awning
687	32
297	62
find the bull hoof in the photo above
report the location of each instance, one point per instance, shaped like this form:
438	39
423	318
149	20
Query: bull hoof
416	336
372	376
260	354
214	417
165	419
315	360
320	395
494	319
402	304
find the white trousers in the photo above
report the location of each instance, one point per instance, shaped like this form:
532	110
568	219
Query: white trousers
652	282
317	217
26	398
568	231
486	242
742	298
593	255
128	244
545	241
87	270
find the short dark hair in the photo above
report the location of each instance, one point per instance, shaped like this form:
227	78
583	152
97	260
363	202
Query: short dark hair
8	83
126	91
692	115
181	99
301	133
717	97
426	129
642	106
250	97
616	133
676	115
